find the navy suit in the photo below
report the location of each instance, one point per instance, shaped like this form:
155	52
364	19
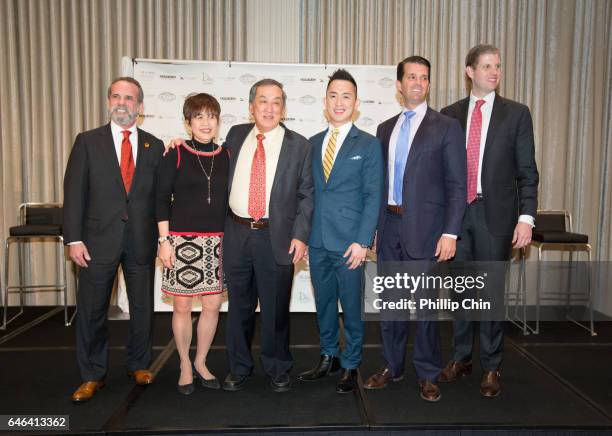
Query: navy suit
346	211
433	203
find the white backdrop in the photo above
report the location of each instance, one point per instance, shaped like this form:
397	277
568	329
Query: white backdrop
166	83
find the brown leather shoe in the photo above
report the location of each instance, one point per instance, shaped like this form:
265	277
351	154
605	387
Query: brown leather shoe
429	391
142	376
381	379
454	370
86	391
490	385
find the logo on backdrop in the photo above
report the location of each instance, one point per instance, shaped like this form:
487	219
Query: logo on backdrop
386	82
228	119
207	80
248	79
307	99
167	76
166	96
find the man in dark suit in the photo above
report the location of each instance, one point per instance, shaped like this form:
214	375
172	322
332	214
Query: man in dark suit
109	220
502	183
421	212
347	174
266	233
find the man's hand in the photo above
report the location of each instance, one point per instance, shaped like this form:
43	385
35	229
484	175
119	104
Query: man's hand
522	235
298	249
173	144
446	248
356	255
165	252
79	254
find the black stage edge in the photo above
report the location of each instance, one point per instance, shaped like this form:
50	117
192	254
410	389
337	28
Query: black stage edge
554	383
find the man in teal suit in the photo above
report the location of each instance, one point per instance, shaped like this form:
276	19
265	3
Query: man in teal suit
347	170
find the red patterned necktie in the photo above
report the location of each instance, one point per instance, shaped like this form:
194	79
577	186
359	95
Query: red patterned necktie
127	161
473	151
257	186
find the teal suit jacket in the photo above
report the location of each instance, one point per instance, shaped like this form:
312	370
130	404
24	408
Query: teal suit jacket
346	207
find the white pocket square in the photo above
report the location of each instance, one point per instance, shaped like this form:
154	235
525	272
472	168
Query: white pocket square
355	157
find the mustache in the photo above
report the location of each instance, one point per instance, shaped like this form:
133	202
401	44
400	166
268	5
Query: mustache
123	107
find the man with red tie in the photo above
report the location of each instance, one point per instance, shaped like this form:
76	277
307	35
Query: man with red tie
109	220
502	187
268	226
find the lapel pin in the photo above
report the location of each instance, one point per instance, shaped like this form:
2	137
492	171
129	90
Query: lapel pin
146	144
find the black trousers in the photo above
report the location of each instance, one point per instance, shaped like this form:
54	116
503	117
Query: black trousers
93	298
253	275
426	356
478	244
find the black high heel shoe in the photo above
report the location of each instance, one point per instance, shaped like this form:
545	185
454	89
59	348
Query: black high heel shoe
212	383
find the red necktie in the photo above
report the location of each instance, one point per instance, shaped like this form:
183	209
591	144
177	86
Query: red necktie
473	151
127	161
257	186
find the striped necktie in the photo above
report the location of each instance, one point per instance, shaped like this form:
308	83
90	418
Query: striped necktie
330	151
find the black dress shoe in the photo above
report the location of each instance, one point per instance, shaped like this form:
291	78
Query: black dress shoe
281	383
328	365
187	389
348	381
234	382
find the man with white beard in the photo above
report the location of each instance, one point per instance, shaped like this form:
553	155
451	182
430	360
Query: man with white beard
109	220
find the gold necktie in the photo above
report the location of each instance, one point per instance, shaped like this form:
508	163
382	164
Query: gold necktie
328	159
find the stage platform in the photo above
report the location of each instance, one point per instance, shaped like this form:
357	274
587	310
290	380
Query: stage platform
557	382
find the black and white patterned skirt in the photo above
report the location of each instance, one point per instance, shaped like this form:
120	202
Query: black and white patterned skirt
198	267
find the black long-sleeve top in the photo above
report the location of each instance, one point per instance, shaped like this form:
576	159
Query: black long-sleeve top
182	189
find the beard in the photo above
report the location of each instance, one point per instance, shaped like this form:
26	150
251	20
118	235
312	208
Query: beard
122	115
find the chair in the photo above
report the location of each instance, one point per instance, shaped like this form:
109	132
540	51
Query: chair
37	221
553	231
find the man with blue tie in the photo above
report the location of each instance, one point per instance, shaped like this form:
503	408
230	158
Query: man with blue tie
347	171
420	215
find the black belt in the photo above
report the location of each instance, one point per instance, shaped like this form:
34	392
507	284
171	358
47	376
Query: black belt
479	197
254	225
394	209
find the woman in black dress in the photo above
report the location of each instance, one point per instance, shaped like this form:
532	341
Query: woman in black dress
191	208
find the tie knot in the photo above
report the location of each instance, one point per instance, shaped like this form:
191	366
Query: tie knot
409	114
479	103
335	132
126	134
260	137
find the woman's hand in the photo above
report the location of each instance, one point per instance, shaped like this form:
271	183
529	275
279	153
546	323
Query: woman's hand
165	252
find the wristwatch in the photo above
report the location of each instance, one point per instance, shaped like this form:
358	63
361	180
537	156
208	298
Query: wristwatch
162	239
363	246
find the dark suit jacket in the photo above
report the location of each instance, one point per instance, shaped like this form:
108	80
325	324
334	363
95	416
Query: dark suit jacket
291	202
434	190
96	207
347	205
509	173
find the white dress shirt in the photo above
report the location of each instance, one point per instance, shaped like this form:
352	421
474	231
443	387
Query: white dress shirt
486	109
343	131
117	132
239	192
415	122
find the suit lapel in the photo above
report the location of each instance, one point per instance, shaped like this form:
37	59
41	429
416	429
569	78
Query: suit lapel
497	115
317	156
419	141
343	153
141	159
235	149
110	155
284	160
463	110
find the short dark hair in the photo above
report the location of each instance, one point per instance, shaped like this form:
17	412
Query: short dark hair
131	80
473	56
198	103
342	74
266	82
412	60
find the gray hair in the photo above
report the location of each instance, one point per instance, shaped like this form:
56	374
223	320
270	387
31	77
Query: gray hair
131	80
266	82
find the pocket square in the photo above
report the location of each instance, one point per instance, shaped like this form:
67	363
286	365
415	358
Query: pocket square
355	157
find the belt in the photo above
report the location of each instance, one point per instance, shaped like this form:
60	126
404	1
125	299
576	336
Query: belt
479	197
254	225
394	209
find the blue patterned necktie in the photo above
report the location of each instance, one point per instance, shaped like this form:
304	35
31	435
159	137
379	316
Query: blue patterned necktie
402	148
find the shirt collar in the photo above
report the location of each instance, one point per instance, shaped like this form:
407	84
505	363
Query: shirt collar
116	129
419	111
487	98
343	129
271	135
